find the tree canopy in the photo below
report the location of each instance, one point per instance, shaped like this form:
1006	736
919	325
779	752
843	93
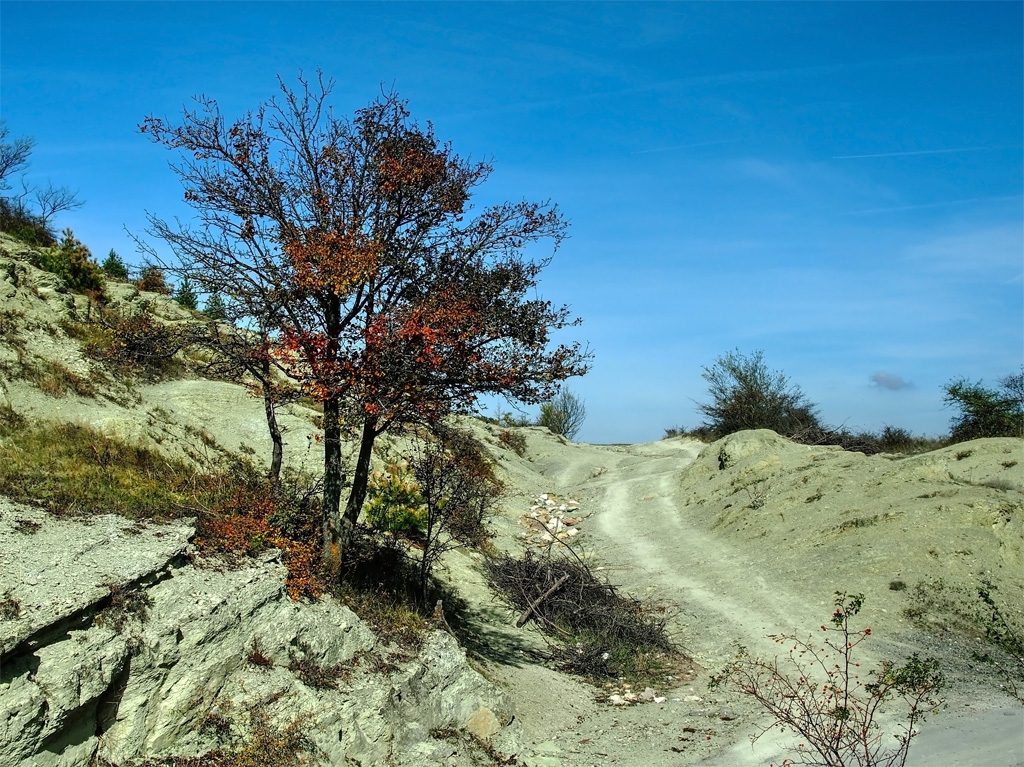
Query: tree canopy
354	244
746	394
986	412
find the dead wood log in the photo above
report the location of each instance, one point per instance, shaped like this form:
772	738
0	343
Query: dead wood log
536	603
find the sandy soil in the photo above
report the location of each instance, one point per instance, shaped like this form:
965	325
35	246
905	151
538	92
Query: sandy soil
752	536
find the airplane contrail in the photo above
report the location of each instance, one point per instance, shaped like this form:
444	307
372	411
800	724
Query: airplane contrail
904	154
943	203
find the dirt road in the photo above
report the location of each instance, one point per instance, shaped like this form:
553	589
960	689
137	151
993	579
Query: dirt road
644	527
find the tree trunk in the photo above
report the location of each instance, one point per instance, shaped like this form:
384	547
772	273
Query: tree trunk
334	532
361	476
275	431
428	555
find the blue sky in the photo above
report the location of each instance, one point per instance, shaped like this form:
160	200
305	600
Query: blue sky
839	185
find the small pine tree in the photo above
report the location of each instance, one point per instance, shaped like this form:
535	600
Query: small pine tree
72	261
186	295
114	267
215	308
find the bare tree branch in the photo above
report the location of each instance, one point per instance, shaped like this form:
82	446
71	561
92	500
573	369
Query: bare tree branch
53	200
13	154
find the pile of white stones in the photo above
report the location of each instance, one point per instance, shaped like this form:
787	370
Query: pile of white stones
629	697
550	520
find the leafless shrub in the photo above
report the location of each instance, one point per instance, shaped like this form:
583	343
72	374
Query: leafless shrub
10	608
50	200
126	604
818	692
858	442
746	394
458	487
255	656
13	154
1000	484
135	343
513	440
27	526
757	491
564	414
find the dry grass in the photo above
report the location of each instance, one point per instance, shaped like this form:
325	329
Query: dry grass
69	469
380	585
74	470
316	675
57	380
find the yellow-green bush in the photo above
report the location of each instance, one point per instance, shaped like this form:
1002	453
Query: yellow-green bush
394	503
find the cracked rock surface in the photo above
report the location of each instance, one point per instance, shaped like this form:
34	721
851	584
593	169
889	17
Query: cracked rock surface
79	681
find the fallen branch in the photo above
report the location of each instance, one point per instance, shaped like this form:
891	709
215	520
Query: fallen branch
536	603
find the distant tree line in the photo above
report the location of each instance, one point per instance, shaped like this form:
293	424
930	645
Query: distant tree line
744	393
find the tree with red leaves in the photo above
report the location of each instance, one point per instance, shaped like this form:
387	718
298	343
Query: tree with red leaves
391	302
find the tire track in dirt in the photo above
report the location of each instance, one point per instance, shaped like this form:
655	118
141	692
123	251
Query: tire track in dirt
723	597
637	527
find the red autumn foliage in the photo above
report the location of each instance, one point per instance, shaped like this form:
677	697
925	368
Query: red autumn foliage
249	520
350	240
332	259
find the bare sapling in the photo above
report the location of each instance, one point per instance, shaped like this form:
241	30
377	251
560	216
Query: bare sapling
822	695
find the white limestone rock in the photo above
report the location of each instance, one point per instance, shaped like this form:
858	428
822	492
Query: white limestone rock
73	688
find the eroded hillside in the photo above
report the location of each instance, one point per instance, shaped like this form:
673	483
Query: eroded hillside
746	537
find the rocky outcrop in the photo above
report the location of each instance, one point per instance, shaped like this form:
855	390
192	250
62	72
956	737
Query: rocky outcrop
115	643
118	644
